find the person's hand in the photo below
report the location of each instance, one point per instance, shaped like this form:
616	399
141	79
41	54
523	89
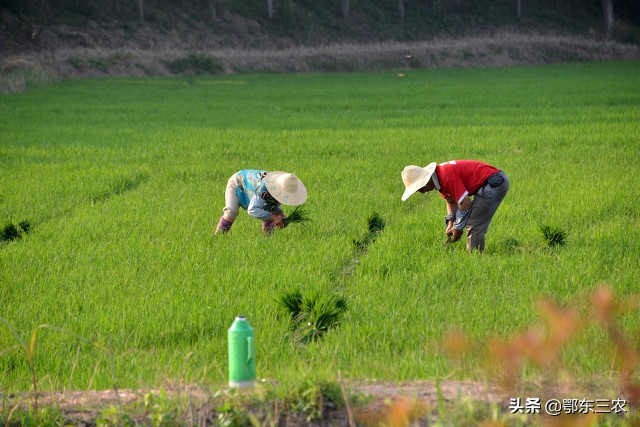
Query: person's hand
282	216
449	230
455	235
277	220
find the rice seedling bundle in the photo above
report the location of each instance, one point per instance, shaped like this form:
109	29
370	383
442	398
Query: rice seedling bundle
299	215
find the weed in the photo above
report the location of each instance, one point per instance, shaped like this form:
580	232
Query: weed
47	416
160	409
100	64
195	63
554	236
114	416
22	77
76	63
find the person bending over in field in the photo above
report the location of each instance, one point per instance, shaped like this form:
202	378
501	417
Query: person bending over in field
261	193
457	181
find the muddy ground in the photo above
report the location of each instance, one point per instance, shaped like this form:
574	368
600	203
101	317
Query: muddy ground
374	402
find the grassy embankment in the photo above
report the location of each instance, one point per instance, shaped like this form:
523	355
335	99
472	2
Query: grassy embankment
122	182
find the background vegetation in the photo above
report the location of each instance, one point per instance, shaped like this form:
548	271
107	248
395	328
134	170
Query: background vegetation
277	22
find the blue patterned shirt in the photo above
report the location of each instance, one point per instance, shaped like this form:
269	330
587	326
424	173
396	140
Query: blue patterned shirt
253	195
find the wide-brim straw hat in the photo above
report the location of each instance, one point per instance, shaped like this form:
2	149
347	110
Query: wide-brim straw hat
415	177
286	188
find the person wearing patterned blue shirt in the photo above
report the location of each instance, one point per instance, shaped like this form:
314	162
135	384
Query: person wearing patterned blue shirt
260	193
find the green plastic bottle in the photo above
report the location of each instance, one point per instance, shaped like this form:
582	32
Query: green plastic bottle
242	361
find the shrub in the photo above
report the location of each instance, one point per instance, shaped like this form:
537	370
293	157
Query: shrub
195	63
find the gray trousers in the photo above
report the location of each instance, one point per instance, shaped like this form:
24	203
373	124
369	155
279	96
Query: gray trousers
484	206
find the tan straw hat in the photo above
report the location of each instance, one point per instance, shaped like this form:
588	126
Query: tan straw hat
286	188
415	177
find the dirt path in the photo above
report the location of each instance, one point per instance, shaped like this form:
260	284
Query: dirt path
85	407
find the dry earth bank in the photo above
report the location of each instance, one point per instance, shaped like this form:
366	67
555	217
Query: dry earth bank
55	62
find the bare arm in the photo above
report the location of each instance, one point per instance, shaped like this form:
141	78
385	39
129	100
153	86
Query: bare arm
452	208
465	204
452	204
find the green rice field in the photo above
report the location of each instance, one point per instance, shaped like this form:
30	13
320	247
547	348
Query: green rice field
119	184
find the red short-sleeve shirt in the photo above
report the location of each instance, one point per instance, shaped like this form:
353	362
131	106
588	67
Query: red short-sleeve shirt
459	178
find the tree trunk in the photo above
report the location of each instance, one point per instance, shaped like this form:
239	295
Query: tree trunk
519	8
345	8
212	9
609	17
270	8
401	9
140	4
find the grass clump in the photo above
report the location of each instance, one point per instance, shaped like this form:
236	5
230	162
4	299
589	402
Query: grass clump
300	215
312	316
195	63
11	231
554	236
375	225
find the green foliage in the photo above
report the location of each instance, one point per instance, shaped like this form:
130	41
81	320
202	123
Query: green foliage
48	416
11	231
313	315
299	215
195	64
114	416
123	182
554	236
313	21
23	77
375	225
160	409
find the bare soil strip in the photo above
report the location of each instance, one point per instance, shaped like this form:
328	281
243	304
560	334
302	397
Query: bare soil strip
84	407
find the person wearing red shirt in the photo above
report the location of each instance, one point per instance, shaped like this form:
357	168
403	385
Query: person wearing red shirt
458	181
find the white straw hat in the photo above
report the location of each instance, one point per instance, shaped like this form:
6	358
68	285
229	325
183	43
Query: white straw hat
415	177
286	188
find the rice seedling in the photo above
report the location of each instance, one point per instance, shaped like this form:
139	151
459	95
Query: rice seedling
314	315
375	225
11	231
299	215
554	236
292	302
148	164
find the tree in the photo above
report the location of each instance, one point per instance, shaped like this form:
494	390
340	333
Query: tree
401	9
140	4
270	8
212	9
609	17
345	8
